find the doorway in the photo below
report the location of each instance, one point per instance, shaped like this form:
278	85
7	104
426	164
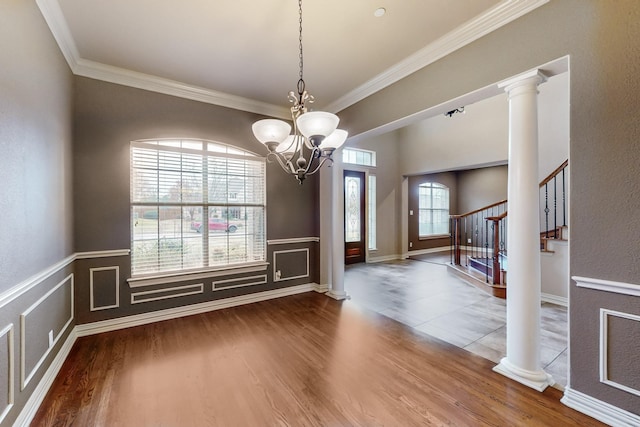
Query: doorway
354	217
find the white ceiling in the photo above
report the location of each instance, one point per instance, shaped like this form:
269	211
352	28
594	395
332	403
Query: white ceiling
244	53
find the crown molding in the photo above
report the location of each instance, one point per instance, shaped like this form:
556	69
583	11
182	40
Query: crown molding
494	18
54	18
501	14
108	73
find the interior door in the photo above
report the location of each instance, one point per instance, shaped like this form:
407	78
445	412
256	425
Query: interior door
354	217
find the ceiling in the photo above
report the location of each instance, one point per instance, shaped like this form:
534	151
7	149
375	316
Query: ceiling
244	53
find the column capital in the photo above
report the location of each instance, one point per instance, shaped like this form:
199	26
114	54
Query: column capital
532	77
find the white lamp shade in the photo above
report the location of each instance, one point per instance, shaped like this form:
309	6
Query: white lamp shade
317	123
271	130
288	146
335	140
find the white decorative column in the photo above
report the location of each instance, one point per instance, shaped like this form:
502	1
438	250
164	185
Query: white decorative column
522	362
337	226
326	230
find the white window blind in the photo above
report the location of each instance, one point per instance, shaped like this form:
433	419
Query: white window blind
195	205
433	205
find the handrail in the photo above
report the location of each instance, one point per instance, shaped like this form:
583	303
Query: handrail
481	235
554	173
479	210
497	218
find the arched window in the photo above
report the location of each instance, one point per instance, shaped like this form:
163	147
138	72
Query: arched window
433	209
195	205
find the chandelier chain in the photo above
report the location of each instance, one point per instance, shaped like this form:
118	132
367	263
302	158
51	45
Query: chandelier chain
300	56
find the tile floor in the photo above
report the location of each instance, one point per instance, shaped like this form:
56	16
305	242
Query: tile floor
424	296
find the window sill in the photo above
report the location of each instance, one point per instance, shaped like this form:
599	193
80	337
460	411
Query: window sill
181	276
434	237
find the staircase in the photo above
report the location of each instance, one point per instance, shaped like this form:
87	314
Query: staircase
479	238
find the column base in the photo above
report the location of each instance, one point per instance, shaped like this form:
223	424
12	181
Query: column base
321	289
537	380
338	295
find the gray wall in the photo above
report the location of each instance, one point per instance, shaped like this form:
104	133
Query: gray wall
107	118
601	40
478	188
35	199
388	192
35	142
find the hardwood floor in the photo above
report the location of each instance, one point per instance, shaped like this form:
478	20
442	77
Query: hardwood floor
304	360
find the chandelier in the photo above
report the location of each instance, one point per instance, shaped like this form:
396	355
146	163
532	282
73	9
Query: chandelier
314	138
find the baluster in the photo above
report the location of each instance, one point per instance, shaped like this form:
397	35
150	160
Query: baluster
485	258
555	207
451	246
466	243
564	202
546	210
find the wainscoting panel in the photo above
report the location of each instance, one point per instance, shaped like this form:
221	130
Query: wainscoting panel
166	293
239	282
290	264
619	369
104	288
7	375
42	325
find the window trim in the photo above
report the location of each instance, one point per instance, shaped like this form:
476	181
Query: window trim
170	276
361	150
195	274
433	184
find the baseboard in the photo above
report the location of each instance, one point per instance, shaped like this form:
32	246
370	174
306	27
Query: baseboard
31	407
429	251
598	409
384	258
554	299
173	313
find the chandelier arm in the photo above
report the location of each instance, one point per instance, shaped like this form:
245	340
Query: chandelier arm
315	154
287	167
322	162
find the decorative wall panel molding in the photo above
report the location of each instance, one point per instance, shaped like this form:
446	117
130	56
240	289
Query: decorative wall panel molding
54	336
6	337
607	286
116	288
293	241
182	277
188	310
239	282
605	342
278	276
26	285
15	292
31	407
166	293
102	254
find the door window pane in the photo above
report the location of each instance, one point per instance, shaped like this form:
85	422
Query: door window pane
352	209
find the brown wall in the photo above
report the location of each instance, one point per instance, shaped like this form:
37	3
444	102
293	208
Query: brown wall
468	190
446	178
601	40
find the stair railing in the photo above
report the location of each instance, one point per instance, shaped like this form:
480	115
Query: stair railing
477	235
556	181
482	233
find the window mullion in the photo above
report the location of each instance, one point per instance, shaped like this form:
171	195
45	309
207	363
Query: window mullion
205	210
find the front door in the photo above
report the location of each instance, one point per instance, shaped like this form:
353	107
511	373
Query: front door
354	217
